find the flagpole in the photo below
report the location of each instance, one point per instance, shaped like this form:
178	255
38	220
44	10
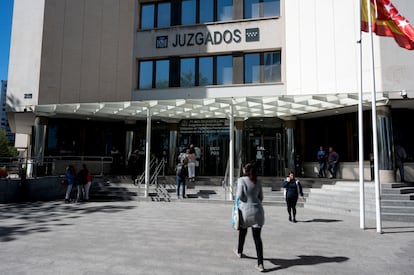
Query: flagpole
374	125
360	135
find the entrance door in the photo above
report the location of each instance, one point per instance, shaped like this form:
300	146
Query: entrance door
267	152
214	152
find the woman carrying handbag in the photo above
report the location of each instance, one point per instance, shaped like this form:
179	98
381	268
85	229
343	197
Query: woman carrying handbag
250	194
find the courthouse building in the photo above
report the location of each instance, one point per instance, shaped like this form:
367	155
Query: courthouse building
262	80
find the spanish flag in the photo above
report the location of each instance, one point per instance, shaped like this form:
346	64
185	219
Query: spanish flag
387	21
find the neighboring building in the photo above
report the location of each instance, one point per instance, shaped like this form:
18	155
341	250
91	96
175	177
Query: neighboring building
85	76
3	116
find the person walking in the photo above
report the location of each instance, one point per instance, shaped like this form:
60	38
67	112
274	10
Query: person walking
321	156
333	161
293	192
250	194
70	177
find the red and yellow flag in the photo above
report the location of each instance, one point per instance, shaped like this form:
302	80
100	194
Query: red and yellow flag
387	21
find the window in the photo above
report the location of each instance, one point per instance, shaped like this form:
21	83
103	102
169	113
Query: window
224	70
261	8
271	8
252	68
272	67
205	72
184	12
164	15
155	15
188	12
162	73
262	67
224	10
206	11
145	75
187	72
147	16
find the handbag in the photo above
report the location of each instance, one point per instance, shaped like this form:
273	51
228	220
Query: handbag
235	216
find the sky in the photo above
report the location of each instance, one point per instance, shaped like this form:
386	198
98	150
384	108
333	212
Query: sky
6	14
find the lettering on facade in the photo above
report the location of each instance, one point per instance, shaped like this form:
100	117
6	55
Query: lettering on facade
252	35
208	38
214	151
208	126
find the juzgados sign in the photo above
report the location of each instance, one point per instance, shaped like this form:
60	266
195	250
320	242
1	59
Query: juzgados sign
208	38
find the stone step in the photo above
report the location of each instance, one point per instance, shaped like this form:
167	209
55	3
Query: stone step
406	217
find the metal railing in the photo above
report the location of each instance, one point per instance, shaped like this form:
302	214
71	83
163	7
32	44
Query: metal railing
18	167
156	166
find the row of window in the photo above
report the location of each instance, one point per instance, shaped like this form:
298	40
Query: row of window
188	12
210	70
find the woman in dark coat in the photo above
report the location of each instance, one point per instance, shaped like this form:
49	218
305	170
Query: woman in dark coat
293	191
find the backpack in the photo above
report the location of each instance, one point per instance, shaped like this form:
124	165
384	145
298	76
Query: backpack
182	171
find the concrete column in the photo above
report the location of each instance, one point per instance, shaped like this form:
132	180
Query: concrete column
238	144
39	134
385	144
129	139
172	158
290	127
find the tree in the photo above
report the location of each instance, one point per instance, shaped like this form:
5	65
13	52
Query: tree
5	149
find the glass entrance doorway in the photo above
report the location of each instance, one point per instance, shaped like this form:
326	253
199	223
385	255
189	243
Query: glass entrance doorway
211	136
264	145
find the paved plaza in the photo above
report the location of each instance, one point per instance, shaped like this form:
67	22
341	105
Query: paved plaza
191	238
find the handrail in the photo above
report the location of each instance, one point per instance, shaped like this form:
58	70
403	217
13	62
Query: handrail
158	167
17	166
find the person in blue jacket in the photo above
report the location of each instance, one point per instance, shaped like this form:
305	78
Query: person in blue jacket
293	192
70	177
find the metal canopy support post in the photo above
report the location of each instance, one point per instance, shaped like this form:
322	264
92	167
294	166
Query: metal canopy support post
374	126
231	154
148	153
361	138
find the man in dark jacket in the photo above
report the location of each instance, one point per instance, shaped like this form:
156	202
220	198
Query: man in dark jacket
293	192
333	161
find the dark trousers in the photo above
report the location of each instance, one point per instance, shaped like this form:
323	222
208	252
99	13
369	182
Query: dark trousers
291	206
257	241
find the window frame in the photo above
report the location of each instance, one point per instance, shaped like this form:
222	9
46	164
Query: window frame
261	10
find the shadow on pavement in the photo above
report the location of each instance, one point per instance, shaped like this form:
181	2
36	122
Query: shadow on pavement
322	220
303	260
40	217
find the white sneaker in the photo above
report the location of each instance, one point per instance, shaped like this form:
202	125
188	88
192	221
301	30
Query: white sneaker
260	268
239	255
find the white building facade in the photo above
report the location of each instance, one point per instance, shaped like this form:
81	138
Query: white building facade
245	80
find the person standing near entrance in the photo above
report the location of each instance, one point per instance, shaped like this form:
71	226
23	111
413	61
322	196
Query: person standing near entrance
70	177
191	157
333	160
293	192
250	194
400	156
321	156
182	173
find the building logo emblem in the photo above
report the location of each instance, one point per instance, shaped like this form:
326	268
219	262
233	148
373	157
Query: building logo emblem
162	42
252	35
